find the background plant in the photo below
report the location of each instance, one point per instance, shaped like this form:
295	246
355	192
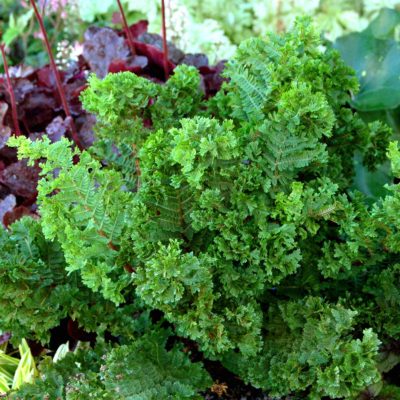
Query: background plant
209	27
216	28
14	372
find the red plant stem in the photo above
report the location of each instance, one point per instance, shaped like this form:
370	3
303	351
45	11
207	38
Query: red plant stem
14	112
128	32
56	73
164	37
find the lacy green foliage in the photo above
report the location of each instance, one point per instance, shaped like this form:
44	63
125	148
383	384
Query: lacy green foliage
37	293
26	278
120	102
180	97
143	370
84	207
389	392
123	101
309	341
126	105
151	372
232	215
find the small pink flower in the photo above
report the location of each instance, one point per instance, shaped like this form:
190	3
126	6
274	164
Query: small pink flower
54	6
38	35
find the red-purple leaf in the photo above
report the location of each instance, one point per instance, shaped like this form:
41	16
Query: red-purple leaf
175	55
57	129
45	77
7	205
21	179
133	64
139	28
197	60
17	213
101	47
5	131
212	78
85	124
155	57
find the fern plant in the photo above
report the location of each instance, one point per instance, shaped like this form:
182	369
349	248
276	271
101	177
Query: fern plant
233	217
141	370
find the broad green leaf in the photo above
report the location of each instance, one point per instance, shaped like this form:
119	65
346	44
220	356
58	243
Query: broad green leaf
375	56
371	183
16	27
89	9
384	25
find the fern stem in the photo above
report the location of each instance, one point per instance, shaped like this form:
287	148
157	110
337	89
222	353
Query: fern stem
128	32
56	73
164	38
137	164
14	112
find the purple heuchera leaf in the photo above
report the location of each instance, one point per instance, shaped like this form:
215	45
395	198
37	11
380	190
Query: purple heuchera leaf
101	47
197	60
5	337
212	78
45	77
57	129
17	213
22	87
5	131
6	205
21	179
38	108
133	64
175	55
85	124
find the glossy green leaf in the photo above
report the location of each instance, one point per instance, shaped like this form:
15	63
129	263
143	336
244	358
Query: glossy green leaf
375	56
371	183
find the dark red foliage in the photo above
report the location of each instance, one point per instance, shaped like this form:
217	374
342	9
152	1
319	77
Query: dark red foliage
212	78
5	131
139	28
155	60
133	64
16	213
41	112
21	179
7	205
